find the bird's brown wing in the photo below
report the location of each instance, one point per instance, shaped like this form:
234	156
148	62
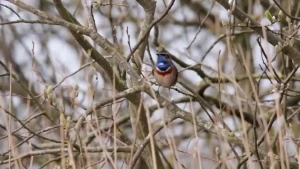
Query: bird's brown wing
175	81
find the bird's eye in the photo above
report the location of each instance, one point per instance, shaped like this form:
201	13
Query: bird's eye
166	56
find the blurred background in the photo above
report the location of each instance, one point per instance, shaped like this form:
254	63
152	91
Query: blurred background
47	82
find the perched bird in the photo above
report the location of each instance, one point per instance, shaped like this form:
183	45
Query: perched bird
165	72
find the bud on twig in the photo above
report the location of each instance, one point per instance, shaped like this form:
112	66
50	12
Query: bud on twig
280	15
269	16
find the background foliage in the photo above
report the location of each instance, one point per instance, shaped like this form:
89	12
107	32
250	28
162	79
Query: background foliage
77	89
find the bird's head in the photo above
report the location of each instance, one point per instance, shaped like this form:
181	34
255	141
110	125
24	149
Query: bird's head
163	61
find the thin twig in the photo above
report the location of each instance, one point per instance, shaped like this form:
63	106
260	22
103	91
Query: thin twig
82	67
149	29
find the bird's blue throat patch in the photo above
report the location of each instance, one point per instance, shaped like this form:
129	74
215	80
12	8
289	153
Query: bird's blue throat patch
162	63
163	66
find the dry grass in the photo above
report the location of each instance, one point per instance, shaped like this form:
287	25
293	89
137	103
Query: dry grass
74	101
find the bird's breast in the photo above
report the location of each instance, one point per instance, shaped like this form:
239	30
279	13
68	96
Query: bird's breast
164	72
165	78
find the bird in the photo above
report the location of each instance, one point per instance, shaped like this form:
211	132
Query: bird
164	71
